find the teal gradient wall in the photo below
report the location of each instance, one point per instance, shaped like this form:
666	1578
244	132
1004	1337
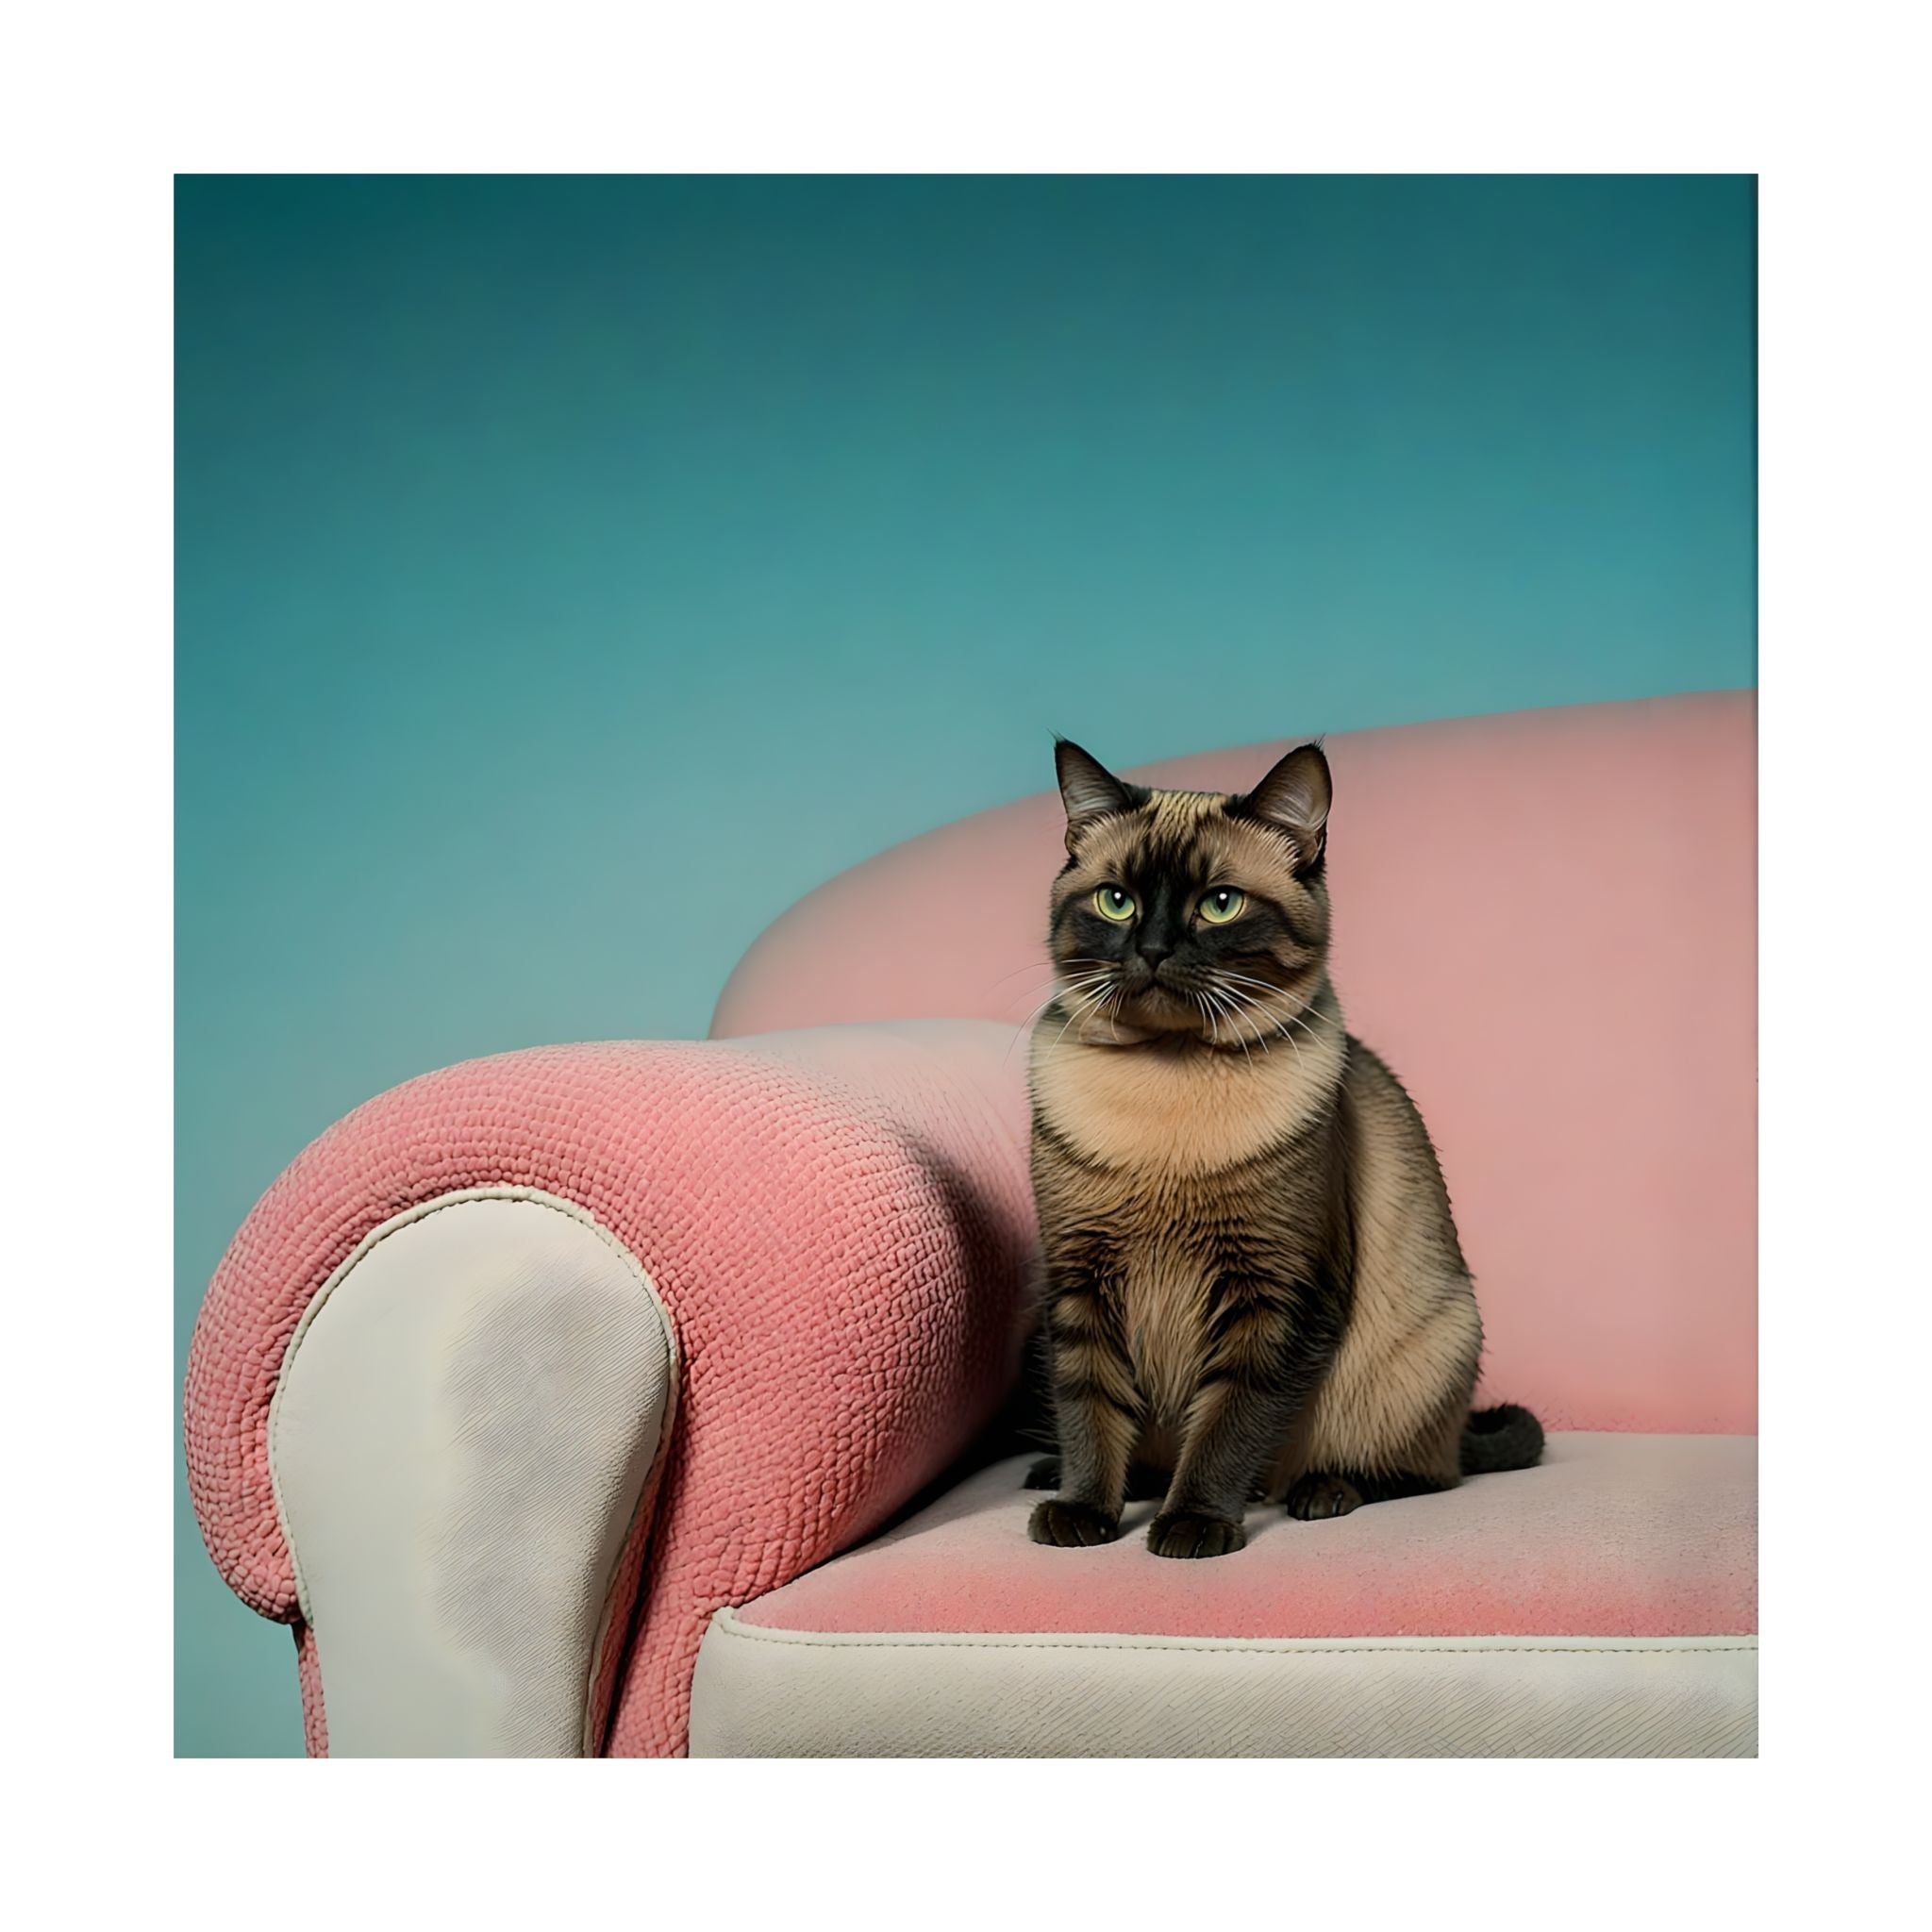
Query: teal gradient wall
573	571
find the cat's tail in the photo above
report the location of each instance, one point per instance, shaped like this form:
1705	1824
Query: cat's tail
1501	1438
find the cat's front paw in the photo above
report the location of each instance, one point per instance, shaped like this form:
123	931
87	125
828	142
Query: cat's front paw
1188	1533
1072	1526
1315	1496
1043	1474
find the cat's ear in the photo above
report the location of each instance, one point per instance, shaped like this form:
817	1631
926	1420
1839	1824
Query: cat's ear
1294	798
1088	789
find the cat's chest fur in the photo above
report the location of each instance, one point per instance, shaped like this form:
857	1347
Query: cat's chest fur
1162	1291
1163	1116
1164	1160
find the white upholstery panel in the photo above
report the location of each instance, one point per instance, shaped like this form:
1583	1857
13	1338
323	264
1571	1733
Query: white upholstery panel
763	1693
464	1430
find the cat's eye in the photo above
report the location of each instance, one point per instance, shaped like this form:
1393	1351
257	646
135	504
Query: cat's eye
1111	902
1218	907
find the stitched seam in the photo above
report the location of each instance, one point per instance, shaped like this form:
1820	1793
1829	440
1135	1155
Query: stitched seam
674	1378
1249	1646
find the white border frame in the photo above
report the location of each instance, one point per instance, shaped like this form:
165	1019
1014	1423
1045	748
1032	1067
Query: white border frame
1827	105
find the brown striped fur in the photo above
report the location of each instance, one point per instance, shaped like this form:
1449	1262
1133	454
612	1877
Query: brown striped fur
1253	1278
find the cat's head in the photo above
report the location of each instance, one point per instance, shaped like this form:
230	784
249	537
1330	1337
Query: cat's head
1191	913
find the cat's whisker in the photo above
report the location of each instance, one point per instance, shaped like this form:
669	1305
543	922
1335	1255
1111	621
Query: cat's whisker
1071	986
1242	1002
1056	972
1215	1007
1248	980
1082	989
1031	966
1306	1017
1227	980
1231	997
1268	986
1086	1005
1262	1036
1047	966
1095	996
1283	1021
1294	1046
1033	993
1025	1026
1225	1004
1296	1020
1281	1032
1224	1001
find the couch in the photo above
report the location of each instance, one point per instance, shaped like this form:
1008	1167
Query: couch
633	1398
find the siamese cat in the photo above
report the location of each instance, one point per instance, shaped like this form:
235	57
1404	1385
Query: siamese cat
1254	1285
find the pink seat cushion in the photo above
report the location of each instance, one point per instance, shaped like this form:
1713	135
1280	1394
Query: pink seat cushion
1546	923
1612	1536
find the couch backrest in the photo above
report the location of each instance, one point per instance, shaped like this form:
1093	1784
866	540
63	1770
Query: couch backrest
1545	921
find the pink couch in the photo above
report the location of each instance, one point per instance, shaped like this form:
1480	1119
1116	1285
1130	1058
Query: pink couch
574	1400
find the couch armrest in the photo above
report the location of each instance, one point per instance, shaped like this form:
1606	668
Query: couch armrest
837	1221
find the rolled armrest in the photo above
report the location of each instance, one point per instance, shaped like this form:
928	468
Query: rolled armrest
837	1221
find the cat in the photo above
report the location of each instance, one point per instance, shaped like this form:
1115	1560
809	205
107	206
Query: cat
1253	1283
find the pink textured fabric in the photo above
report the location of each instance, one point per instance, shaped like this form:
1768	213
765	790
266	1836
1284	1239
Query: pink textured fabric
1546	923
1612	1536
308	1674
837	1221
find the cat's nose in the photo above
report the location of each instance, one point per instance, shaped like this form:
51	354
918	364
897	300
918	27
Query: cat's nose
1153	956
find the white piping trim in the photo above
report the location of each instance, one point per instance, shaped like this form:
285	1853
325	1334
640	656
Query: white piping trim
727	1624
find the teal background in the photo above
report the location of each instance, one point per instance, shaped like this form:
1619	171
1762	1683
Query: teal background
572	572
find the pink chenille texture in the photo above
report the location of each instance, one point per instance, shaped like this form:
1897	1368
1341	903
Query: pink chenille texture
1609	1536
838	1223
1546	922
